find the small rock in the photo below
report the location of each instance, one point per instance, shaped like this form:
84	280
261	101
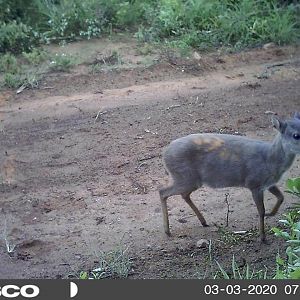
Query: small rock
182	236
196	55
240	232
269	112
269	46
220	60
34	202
202	243
182	220
100	220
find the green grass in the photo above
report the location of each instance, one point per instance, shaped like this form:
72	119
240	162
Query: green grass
288	267
191	23
36	56
9	64
230	269
62	62
26	70
23	70
210	24
26	79
115	263
240	272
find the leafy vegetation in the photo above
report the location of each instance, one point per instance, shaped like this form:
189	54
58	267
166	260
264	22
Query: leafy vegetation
35	57
27	24
240	272
112	264
61	62
17	37
195	23
289	268
293	186
8	63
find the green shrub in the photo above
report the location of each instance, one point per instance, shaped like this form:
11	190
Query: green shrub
70	19
129	13
112	264
35	57
8	63
17	37
25	11
289	268
216	23
61	62
12	80
27	79
196	23
293	186
237	272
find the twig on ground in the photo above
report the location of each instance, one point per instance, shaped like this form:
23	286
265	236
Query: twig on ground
228	209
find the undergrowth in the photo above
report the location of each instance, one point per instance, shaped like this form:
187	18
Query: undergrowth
115	264
285	267
187	23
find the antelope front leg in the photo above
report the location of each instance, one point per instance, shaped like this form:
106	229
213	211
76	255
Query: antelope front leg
277	193
165	216
163	200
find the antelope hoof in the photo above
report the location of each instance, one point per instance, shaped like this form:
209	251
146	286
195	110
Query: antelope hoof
168	233
264	241
271	214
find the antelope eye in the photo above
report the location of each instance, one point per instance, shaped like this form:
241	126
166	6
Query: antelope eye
296	136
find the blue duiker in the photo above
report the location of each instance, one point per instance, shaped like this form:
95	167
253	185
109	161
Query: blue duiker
222	160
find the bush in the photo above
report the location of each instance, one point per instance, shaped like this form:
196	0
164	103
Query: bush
61	62
25	11
12	80
237	272
289	268
35	57
115	264
8	63
17	37
196	23
216	23
70	19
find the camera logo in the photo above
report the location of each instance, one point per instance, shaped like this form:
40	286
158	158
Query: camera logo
13	291
73	289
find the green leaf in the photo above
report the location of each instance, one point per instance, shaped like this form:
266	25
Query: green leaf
295	274
279	261
293	185
276	230
83	275
225	275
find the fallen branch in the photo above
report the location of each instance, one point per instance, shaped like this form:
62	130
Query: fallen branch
228	209
98	114
148	157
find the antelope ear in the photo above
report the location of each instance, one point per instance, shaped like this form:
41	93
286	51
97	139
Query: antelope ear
278	124
297	115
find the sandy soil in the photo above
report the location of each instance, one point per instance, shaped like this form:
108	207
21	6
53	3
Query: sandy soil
81	163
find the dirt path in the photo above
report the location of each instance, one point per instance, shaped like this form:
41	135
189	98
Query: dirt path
81	164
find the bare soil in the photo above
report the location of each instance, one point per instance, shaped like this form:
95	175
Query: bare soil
81	162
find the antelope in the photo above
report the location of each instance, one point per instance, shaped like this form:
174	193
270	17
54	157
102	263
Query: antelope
223	160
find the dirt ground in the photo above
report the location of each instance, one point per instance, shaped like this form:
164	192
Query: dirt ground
81	161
